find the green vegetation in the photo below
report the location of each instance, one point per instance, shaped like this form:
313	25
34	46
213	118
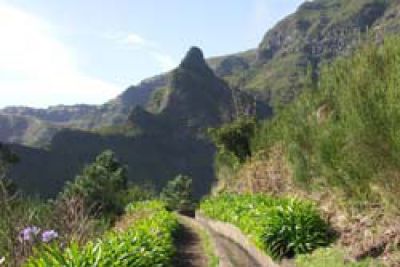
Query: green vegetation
15	214
331	257
100	184
283	227
234	138
344	134
177	194
147	242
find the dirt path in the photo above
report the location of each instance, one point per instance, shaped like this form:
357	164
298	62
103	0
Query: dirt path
190	252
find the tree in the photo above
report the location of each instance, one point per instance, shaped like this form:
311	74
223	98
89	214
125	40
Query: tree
7	158
177	195
101	184
235	137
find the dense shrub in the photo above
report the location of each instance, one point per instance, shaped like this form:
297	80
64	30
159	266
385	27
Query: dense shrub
147	242
235	137
101	184
177	194
280	226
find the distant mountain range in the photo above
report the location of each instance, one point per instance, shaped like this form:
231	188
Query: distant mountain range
158	127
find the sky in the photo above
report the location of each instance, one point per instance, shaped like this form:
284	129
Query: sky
89	51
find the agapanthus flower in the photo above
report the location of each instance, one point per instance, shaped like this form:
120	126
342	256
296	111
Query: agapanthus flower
49	235
29	233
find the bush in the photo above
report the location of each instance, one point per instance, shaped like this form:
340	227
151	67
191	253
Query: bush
294	228
148	242
282	227
101	184
234	138
177	194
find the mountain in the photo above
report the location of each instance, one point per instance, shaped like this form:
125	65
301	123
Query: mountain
25	130
158	127
19	124
318	32
168	134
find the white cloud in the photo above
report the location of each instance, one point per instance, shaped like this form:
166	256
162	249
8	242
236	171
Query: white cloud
135	41
37	69
165	61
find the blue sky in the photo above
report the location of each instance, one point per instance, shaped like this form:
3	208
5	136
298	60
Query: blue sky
89	51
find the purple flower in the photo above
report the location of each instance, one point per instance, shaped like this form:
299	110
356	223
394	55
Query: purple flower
49	235
29	233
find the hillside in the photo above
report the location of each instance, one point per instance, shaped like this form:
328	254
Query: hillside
337	144
317	32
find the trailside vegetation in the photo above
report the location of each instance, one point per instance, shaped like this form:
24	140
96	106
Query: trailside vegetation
148	241
283	227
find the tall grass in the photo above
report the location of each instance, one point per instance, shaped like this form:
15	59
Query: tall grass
344	132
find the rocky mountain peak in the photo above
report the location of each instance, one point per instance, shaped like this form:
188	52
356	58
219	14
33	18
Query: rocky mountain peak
194	61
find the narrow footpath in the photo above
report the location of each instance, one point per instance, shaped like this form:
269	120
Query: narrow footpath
191	251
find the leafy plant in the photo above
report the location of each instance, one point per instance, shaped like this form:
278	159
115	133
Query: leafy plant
294	228
282	227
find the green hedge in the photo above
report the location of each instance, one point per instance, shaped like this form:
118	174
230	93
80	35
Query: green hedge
283	227
148	242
